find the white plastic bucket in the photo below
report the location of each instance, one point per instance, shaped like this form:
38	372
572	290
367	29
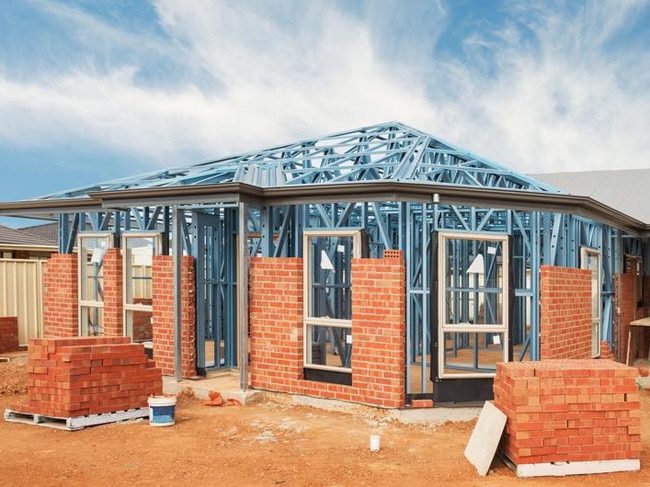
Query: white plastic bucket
161	410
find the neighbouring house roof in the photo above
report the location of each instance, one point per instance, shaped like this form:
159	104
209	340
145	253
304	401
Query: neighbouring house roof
22	237
46	231
626	190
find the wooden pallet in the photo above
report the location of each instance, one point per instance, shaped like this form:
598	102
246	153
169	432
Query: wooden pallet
76	423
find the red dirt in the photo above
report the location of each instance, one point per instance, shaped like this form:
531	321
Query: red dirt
258	445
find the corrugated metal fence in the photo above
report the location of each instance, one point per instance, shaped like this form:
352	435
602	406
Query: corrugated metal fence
21	295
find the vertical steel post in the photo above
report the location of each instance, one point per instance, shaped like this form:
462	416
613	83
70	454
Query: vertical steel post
64	233
177	238
535	276
242	288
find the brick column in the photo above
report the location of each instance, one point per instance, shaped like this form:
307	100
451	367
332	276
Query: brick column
565	313
630	311
8	334
163	315
276	314
379	329
113	297
61	296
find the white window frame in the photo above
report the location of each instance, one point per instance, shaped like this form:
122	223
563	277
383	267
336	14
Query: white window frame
307	295
86	303
129	306
595	320
445	327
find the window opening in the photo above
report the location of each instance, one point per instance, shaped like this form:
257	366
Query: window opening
328	335
473	298
92	249
138	252
590	260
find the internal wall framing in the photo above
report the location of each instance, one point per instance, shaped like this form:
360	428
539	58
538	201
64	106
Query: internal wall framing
537	238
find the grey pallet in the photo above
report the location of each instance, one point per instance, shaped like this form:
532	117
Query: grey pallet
76	423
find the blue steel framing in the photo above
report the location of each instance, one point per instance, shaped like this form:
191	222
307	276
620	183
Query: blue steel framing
386	152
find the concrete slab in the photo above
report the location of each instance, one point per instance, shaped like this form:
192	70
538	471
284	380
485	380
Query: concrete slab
435	415
485	438
227	384
643	382
405	416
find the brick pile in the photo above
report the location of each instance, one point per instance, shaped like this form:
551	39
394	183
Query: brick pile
569	411
8	334
72	377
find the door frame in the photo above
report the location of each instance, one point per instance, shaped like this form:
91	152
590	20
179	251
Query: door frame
469	387
224	224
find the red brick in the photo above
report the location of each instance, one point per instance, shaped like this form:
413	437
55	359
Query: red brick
76	387
8	334
378	328
589	430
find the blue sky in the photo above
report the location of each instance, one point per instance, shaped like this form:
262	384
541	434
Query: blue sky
92	90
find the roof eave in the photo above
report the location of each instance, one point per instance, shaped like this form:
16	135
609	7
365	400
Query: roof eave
367	191
48	209
29	247
180	195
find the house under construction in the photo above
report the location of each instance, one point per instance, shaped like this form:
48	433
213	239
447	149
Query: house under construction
378	265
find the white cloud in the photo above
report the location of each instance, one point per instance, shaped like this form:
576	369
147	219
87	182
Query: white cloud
545	93
559	100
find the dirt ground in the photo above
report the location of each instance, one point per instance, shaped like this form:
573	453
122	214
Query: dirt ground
264	444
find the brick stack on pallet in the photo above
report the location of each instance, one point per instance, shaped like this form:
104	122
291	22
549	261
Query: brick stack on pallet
72	377
564	411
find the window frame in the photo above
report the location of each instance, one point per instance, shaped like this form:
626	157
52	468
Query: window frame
128	305
595	320
90	304
444	327
310	321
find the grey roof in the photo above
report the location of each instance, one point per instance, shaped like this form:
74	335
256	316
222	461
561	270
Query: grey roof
46	231
624	190
11	236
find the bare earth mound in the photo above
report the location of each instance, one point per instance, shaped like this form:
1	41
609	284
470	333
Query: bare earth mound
264	444
13	379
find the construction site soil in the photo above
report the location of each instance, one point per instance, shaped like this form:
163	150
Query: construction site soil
262	444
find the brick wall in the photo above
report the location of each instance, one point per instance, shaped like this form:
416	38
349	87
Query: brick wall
113	296
569	411
71	377
565	313
8	334
61	296
378	331
163	315
627	304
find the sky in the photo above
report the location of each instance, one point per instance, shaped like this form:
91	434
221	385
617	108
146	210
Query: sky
93	90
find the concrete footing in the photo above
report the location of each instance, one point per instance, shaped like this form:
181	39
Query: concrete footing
226	384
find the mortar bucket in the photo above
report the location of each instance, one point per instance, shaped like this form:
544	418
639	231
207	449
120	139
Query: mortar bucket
161	410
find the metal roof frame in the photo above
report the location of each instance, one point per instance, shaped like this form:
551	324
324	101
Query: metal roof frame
385	162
